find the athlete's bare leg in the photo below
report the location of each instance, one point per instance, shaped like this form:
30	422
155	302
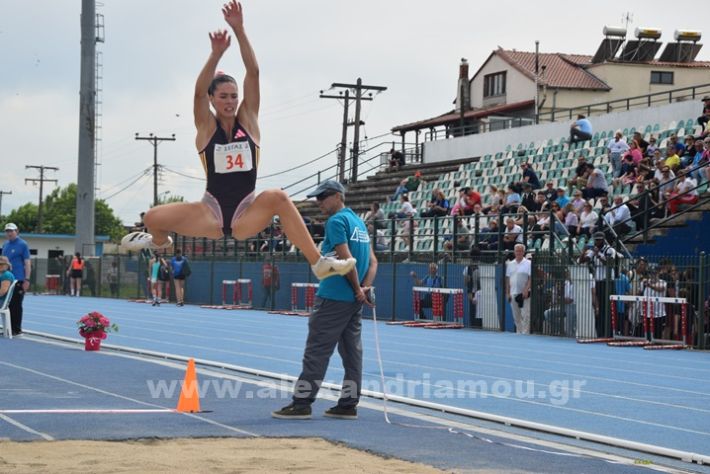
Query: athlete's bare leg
193	219
259	214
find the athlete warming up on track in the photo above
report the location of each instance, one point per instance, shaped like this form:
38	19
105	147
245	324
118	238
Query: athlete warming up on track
227	141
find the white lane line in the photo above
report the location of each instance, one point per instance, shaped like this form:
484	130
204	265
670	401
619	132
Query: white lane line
122	397
88	411
26	428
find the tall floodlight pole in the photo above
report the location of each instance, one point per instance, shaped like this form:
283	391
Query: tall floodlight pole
85	241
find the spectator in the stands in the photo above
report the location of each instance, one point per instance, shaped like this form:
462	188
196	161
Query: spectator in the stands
676	144
581	130
571	219
651	149
596	184
684	192
645	205
380	240
635	152
375	216
628	173
512	200
407	185
587	220
550	191
689	152
489	197
529	176
406	208
396	159
616	148
539	202
467	200
488	236
512	234
437	206
463	237
640	142
705	116
527	199
672	159
698	159
577	201
619	218
562	199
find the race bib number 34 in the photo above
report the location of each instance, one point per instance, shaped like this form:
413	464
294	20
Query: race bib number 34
232	158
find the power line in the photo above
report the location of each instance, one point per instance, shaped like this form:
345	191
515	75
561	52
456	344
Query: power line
183	174
299	166
145	173
41	180
155	141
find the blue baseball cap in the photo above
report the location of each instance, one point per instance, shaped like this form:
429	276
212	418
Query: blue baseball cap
329	186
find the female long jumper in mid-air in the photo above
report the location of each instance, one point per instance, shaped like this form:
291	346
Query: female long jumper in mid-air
227	141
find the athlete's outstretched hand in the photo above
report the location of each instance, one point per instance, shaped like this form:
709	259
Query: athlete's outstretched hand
220	41
233	14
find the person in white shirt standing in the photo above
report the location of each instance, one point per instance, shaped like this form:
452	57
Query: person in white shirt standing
616	148
654	287
517	286
619	218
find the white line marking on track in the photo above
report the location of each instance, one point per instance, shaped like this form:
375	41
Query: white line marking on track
26	428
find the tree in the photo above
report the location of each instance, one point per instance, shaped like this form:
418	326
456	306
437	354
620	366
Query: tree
60	215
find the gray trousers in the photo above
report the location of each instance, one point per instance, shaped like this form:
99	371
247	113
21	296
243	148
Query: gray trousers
332	323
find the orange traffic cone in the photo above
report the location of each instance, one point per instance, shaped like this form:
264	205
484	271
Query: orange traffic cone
189	395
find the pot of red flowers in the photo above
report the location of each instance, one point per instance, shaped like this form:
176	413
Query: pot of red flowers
94	327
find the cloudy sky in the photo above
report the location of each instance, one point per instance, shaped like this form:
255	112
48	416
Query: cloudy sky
155	49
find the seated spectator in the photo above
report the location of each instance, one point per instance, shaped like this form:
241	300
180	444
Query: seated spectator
466	201
596	184
635	152
705	116
512	200
512	234
577	202
488	236
490	197
658	172
616	148
666	185
652	148
699	158
407	185
562	200
628	173
438	205
581	130
683	193
689	151
672	159
378	235
571	219
645	204
463	237
406	210
529	176
678	147
539	202
550	191
587	220
375	216
396	159
640	142
619	217
528	196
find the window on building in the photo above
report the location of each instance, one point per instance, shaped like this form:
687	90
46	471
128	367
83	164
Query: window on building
661	77
494	84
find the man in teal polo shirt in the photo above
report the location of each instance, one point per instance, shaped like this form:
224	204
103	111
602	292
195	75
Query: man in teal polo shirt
18	252
337	319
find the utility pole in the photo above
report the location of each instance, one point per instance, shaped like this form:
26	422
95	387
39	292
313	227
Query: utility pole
1	194
358	89
41	182
155	141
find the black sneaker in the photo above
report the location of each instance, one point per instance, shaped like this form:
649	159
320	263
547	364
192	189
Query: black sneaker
293	412
343	413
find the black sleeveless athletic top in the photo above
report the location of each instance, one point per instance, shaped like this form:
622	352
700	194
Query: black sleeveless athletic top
230	164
